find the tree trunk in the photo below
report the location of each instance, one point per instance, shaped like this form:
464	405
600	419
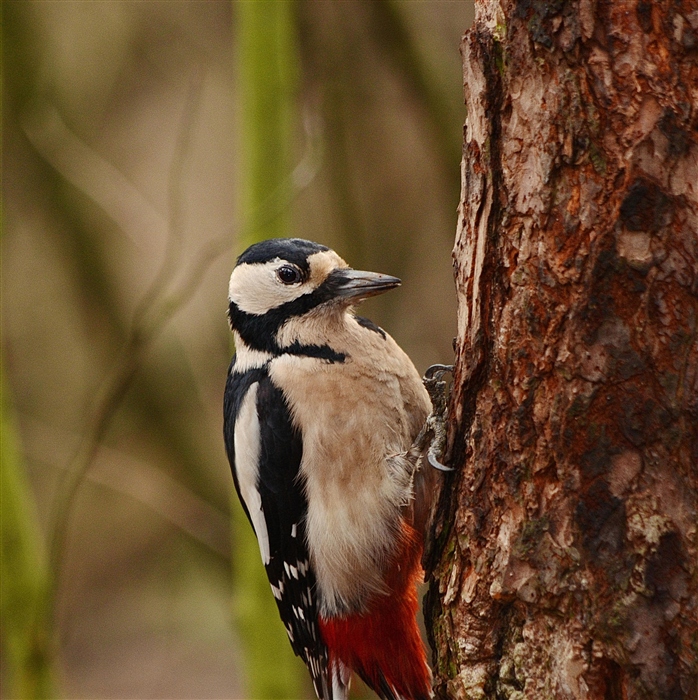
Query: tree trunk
564	562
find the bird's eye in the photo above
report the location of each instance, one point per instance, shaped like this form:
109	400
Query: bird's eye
289	274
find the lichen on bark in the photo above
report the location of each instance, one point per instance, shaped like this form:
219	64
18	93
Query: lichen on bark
565	555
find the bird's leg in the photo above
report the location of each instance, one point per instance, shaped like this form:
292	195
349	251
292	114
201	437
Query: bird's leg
433	434
436	422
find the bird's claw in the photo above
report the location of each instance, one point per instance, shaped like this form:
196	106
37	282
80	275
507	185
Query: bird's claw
438	370
436	422
432	459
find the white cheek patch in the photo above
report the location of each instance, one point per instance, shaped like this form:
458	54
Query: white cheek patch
256	289
247	449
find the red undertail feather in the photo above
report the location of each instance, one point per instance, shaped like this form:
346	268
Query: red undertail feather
384	646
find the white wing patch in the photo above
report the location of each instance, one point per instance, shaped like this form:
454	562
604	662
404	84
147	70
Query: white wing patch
247	449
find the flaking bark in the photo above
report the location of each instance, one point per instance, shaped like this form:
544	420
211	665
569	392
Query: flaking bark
564	557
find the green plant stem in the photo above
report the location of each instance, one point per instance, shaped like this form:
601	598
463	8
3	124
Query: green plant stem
23	573
267	76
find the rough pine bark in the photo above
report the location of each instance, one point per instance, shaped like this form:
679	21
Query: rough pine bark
564	560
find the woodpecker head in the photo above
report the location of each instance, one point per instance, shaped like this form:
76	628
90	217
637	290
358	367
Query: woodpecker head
288	281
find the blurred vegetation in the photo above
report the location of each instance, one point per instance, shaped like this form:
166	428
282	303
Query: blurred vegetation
23	572
144	145
267	58
267	73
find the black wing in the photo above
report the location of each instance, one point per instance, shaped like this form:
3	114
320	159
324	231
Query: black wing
284	505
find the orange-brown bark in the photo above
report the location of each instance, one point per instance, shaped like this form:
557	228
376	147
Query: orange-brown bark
565	559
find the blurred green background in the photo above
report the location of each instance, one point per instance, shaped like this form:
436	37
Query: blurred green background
144	145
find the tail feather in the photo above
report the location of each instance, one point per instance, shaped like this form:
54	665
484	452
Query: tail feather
341	677
387	692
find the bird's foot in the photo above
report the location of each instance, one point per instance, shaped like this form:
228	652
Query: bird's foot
436	422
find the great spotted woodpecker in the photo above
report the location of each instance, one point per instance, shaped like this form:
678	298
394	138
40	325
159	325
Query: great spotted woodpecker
321	411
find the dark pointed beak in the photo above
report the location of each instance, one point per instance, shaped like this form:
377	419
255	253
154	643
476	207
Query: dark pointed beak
358	284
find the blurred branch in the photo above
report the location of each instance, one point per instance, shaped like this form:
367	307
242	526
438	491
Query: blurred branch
392	34
175	199
344	195
83	167
155	311
143	331
66	152
152	487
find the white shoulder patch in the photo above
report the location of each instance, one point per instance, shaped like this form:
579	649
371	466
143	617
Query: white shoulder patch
247	450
